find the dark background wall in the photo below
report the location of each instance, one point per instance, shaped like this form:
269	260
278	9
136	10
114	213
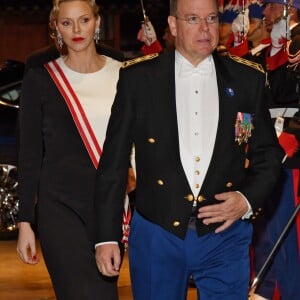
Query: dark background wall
24	24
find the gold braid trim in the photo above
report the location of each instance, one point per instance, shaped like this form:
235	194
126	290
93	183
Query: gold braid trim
294	59
138	59
249	63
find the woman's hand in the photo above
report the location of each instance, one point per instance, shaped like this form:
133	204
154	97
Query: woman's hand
26	246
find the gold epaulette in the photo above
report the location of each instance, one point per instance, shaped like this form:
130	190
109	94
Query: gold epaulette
249	63
138	59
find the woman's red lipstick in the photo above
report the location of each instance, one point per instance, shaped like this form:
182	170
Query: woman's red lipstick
77	39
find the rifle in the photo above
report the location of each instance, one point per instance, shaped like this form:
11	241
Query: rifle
243	13
285	17
274	250
145	22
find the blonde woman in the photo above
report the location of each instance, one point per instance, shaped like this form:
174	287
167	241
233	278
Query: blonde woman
64	112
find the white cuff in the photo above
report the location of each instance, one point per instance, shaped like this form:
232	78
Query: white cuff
104	243
249	212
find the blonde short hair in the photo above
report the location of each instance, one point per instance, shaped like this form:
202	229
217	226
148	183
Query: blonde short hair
92	3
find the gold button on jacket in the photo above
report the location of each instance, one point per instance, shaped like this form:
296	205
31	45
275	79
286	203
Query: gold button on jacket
201	198
229	184
176	223
189	197
151	140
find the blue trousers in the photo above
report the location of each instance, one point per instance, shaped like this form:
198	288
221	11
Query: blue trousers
161	263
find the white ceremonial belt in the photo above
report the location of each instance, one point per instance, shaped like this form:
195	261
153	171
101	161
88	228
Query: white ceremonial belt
287	112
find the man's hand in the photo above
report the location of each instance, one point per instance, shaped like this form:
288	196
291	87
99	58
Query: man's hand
108	259
231	208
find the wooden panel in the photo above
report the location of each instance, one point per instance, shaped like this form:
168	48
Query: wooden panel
20	40
24	33
19	281
110	30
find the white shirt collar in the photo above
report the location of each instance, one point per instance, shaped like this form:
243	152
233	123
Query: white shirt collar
185	68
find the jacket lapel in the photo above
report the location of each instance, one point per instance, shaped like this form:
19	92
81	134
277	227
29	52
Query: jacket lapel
167	123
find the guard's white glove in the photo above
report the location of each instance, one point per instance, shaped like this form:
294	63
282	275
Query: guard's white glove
147	33
280	33
240	26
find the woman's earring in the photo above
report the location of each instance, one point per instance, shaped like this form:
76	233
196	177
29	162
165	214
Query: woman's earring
97	35
59	39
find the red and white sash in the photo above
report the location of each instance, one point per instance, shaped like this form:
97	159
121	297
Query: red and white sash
81	121
85	130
